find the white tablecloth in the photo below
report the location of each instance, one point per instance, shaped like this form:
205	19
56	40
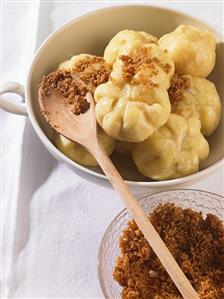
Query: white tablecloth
52	220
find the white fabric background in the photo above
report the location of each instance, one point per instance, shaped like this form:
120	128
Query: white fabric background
52	220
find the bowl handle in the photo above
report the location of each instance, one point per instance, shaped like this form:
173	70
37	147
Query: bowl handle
13	87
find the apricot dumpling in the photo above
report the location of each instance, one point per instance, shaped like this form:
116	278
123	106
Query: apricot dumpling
124	42
173	151
131	112
78	153
93	70
199	98
192	49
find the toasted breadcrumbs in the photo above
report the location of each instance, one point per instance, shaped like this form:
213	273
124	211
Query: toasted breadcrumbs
197	244
139	61
92	70
71	89
166	67
177	87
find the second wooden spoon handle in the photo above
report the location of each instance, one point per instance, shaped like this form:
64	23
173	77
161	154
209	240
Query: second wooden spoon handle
141	219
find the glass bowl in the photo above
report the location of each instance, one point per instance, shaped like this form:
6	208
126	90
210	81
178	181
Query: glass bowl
205	202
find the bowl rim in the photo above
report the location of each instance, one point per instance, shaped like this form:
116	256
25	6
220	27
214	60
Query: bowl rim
52	148
99	268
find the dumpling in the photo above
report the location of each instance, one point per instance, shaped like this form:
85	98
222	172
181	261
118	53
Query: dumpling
134	102
198	98
149	65
123	147
93	70
78	153
124	42
174	151
192	49
131	112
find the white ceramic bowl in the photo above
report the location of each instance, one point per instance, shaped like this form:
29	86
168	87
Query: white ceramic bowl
90	34
199	201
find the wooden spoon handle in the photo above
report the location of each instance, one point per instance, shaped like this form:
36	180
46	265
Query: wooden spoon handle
141	219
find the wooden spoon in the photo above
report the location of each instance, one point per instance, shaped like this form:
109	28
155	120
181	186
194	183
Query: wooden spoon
83	129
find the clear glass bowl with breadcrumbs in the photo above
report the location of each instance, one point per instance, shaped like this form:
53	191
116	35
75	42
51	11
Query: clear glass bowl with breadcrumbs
199	201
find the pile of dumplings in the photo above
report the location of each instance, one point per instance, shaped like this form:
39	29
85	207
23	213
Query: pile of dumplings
155	105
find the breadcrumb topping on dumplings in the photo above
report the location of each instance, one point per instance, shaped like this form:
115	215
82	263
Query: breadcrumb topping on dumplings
91	69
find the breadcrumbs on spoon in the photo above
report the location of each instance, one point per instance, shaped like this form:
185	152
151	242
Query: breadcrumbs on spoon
68	87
